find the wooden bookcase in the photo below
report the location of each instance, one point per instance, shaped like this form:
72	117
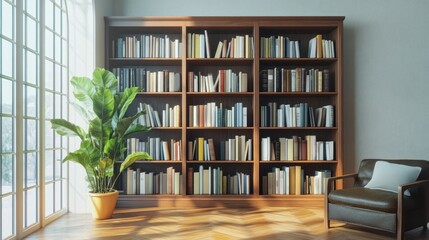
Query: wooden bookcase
218	28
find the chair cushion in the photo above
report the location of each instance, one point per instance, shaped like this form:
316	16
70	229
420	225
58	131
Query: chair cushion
374	199
388	176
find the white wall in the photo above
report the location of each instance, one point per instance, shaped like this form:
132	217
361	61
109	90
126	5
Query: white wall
82	53
386	64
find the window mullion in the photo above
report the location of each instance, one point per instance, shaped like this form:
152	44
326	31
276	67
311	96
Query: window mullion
19	118
42	91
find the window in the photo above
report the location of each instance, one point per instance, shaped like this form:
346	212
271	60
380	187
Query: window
55	104
34	89
8	118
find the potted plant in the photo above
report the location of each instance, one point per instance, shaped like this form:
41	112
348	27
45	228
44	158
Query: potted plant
104	141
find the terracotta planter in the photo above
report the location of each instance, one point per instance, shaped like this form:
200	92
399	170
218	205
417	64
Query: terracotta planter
103	204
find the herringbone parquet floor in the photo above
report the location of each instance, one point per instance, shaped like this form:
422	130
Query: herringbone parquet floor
210	223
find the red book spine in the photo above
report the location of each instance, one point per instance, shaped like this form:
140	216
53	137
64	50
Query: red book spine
201	116
303	149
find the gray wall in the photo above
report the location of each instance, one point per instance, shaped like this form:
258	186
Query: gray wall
386	64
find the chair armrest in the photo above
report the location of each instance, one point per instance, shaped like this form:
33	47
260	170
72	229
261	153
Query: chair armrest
404	187
401	190
354	175
329	181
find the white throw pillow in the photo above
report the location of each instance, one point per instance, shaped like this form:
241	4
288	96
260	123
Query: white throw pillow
388	176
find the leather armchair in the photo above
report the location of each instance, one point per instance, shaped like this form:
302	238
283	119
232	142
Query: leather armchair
379	209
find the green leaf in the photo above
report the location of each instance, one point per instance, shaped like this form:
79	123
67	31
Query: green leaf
83	89
99	131
115	120
77	157
127	98
91	152
112	149
103	104
125	123
84	112
82	158
105	79
130	159
66	128
136	128
106	166
109	167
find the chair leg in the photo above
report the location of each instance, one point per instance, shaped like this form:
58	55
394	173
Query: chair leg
400	235
327	223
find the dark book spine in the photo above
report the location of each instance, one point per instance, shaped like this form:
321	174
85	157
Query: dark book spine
124	181
143	82
326	81
166	81
222	150
277	79
264	80
277	149
190	183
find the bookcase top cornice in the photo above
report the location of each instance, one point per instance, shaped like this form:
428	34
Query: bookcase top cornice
123	20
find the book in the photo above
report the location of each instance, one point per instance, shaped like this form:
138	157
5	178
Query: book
211	149
207	43
218	50
196	189
190	181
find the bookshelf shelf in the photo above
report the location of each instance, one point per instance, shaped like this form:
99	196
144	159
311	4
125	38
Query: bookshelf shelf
301	61
219	128
220	162
145	61
220	61
299	162
305	94
171	94
166	128
256	61
220	94
154	162
298	128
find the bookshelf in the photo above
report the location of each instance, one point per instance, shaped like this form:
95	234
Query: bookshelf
248	33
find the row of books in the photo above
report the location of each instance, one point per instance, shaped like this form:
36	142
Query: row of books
292	181
283	47
234	149
237	47
296	115
146	46
321	48
148	81
171	116
279	47
151	46
213	181
198	45
211	115
295	80
138	182
296	148
226	81
158	149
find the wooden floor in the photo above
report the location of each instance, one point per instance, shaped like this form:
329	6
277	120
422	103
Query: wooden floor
209	223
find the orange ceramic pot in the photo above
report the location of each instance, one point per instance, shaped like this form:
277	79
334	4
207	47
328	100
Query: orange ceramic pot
103	204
